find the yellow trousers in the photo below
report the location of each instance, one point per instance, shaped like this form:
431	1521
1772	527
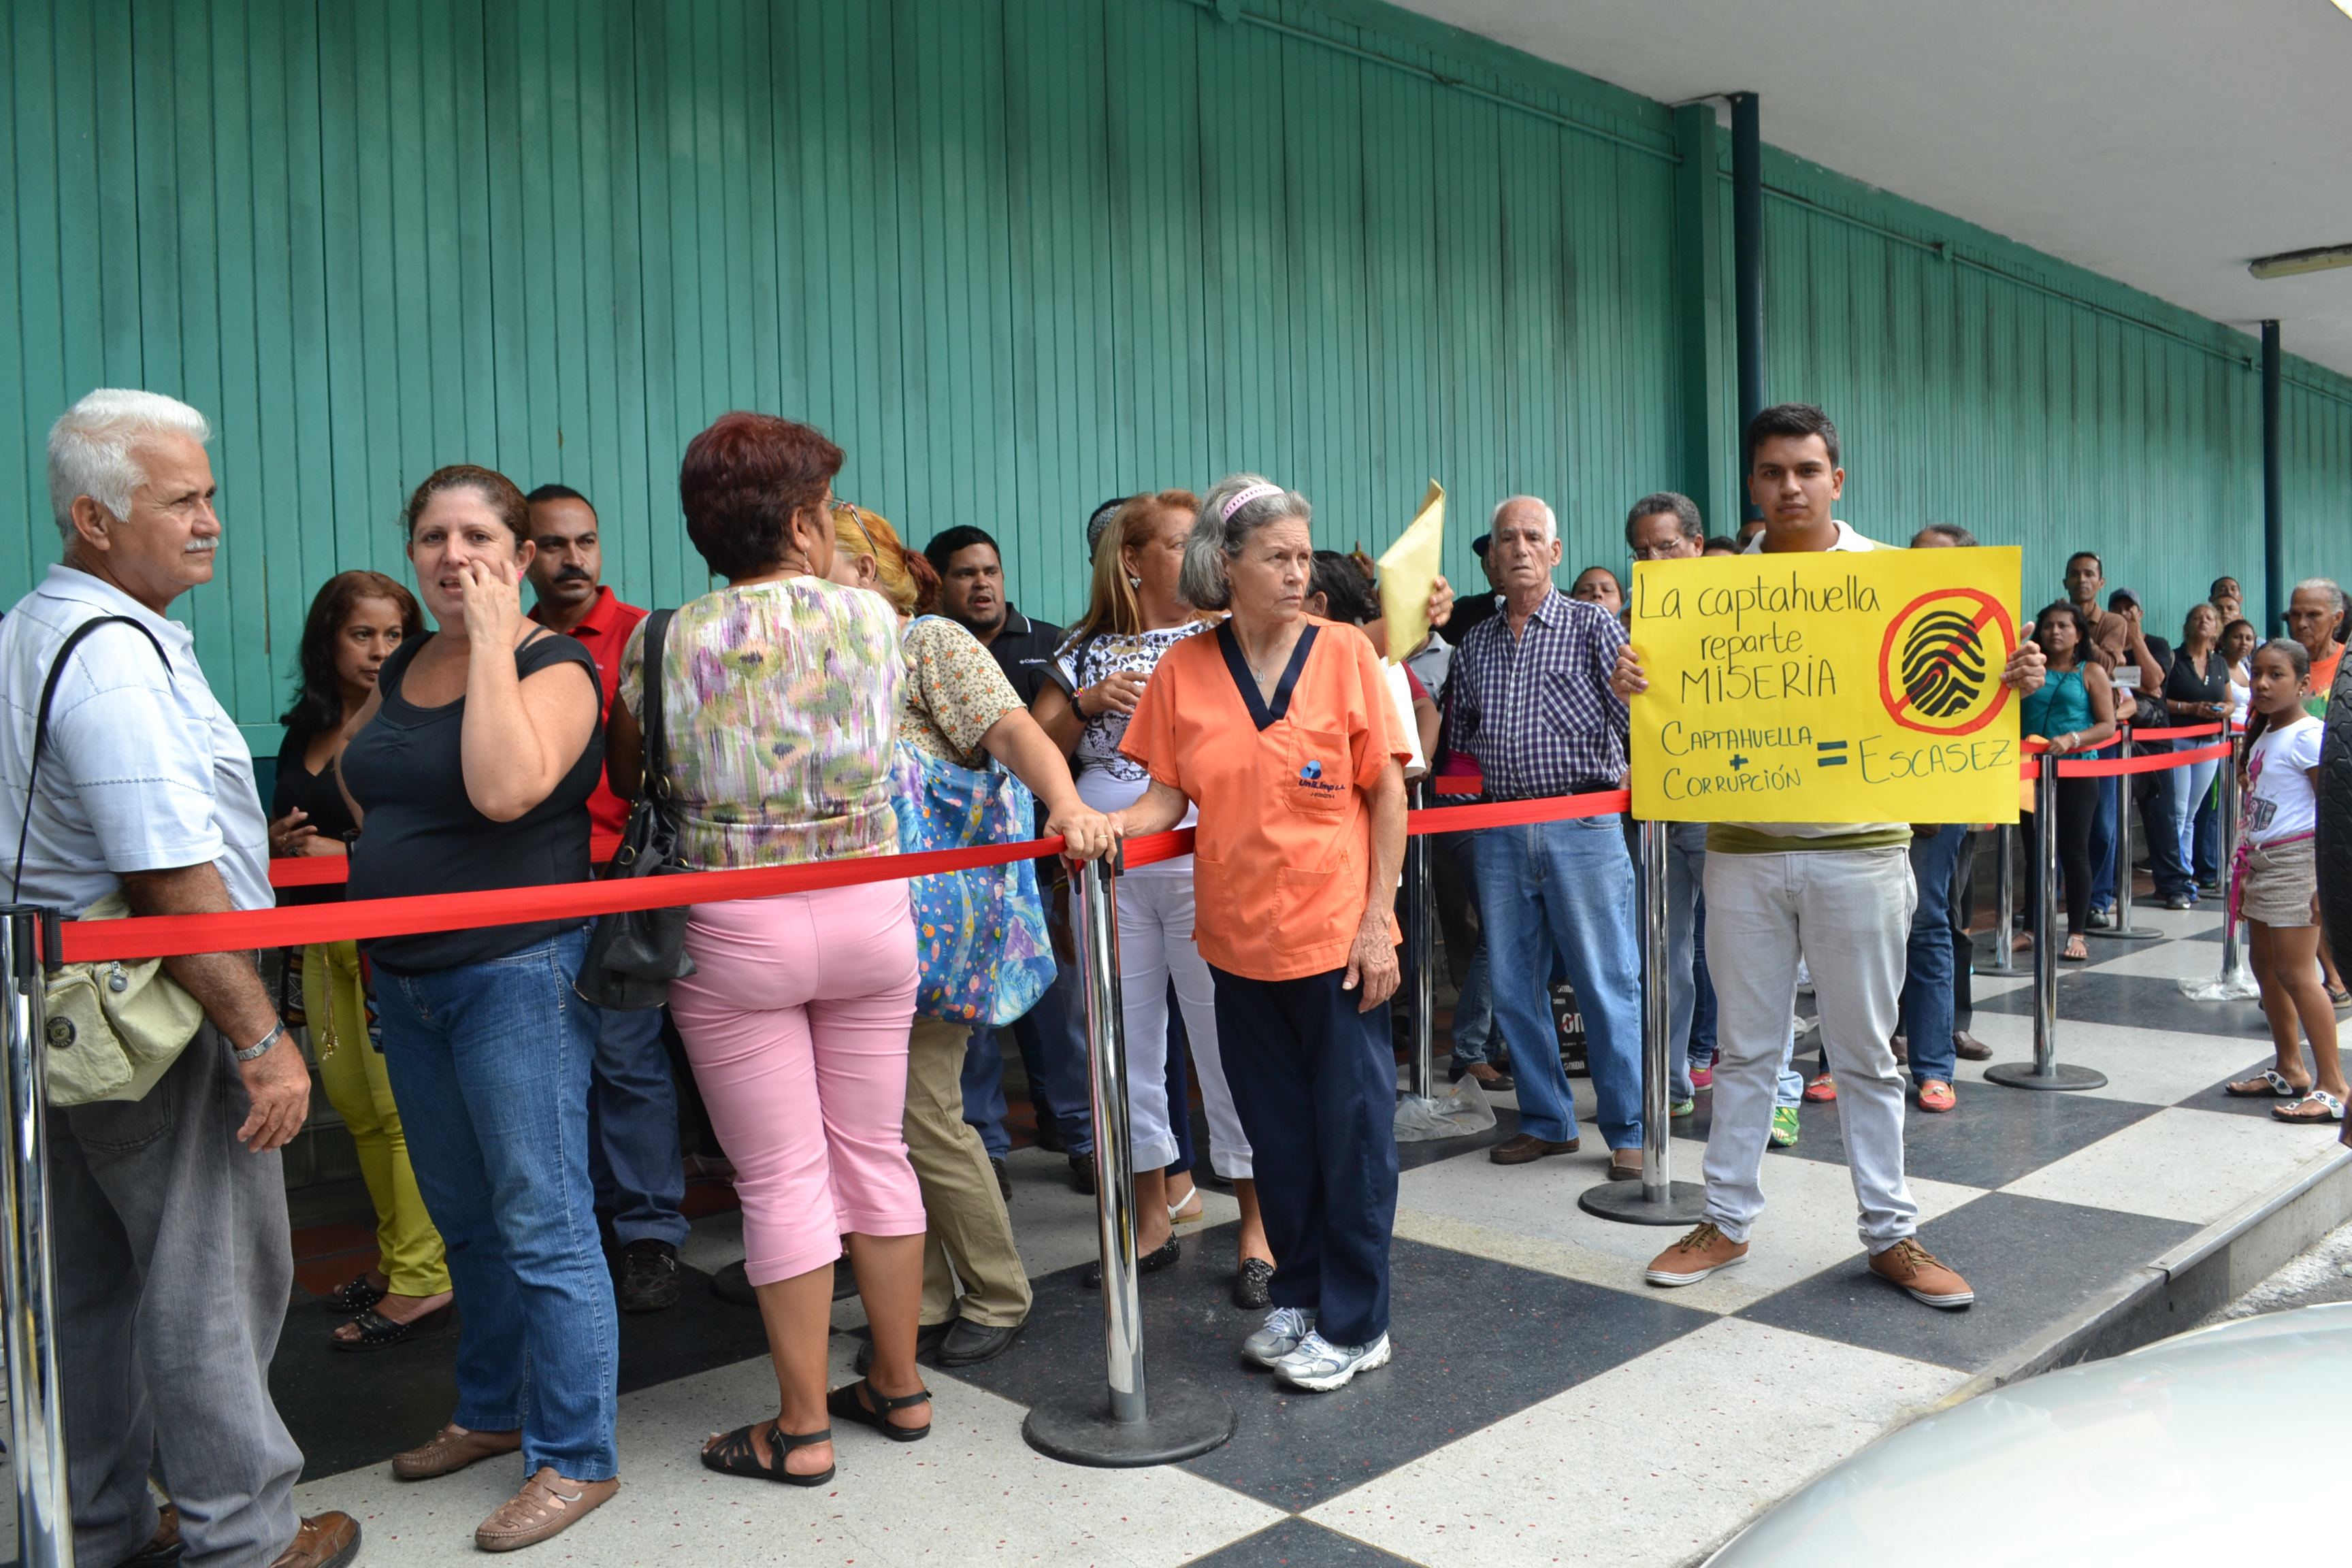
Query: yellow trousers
352	1070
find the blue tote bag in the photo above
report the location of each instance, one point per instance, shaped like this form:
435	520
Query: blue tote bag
980	935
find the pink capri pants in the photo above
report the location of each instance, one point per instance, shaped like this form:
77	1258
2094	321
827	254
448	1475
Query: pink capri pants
796	1022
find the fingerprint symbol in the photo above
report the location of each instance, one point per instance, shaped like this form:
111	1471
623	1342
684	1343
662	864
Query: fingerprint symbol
1944	670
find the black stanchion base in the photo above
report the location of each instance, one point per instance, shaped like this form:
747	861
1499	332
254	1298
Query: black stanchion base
2127	933
2062	1075
1992	961
1622	1202
1079	1430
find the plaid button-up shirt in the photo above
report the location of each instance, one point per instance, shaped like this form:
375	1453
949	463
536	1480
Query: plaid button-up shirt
1535	709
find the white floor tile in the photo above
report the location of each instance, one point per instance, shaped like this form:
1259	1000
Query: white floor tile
971	1493
2183	1165
2152	1067
1649	1464
1527	1215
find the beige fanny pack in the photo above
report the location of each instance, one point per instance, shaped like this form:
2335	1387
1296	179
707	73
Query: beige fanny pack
113	1027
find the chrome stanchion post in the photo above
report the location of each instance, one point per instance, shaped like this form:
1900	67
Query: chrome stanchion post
2004	954
2045	1070
37	1441
1658	1199
2122	930
2236	982
1420	931
1128	1428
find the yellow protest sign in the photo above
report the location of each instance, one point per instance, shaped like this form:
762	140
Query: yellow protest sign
1408	570
1820	687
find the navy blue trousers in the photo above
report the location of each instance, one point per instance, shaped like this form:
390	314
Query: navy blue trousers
1315	1082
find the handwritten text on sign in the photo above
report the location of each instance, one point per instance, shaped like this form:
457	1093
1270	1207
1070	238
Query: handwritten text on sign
1846	687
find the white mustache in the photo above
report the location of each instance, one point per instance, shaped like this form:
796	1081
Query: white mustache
200	547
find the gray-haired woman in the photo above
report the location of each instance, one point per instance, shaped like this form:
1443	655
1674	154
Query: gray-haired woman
1280	729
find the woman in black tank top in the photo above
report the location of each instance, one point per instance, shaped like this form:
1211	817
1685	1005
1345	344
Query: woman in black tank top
471	770
2196	691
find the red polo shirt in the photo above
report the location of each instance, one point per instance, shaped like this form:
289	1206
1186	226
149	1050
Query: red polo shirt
604	633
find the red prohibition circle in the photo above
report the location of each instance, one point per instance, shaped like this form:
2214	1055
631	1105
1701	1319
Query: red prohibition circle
1989	609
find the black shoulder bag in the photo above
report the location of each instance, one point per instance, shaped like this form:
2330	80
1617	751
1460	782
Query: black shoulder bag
633	955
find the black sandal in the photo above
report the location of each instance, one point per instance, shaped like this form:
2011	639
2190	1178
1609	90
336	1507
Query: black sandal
734	1454
379	1332
353	1298
844	1402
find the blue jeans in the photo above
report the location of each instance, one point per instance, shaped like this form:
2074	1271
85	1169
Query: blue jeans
1474	1006
634	1156
1928	1009
1050	1037
2184	791
490	1067
2104	823
1685	872
1563	891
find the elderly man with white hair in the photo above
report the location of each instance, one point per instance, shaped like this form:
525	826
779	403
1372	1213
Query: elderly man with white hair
1529	698
173	1259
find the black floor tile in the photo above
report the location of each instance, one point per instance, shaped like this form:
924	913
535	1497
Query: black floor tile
2029	1260
1995	1136
1476	1341
347	1409
2135	1001
1299	1544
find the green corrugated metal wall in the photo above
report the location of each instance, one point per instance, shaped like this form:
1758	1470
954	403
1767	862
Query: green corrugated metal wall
1016	256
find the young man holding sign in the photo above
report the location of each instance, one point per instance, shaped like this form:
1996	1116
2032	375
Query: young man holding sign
1837	895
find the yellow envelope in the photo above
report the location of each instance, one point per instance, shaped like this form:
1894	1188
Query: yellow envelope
1409	568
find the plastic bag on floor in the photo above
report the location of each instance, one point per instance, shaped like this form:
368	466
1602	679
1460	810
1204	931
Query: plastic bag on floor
1457	1114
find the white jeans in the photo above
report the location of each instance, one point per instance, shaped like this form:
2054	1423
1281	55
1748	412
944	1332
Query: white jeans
1847	913
1155	946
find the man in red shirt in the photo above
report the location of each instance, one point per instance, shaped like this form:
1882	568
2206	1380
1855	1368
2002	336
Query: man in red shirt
633	1147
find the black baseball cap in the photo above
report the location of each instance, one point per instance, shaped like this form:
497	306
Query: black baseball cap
1479	545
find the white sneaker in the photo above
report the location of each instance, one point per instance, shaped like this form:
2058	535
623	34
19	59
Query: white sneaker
1278	1335
1320	1366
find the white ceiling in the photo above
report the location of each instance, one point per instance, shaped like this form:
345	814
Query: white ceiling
2161	142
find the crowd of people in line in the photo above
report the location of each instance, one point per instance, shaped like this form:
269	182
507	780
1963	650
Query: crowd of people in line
840	696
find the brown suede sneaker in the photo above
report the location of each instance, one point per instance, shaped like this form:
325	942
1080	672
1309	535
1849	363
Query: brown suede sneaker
451	1450
1525	1148
1624	1164
324	1541
547	1505
1704	1251
1926	1278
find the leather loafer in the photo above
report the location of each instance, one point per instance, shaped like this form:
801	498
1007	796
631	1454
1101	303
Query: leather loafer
1525	1148
323	1541
1082	1174
164	1547
1624	1164
967	1344
452	1449
1969	1049
547	1505
927	1340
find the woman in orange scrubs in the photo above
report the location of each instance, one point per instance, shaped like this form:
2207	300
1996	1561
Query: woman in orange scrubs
1279	728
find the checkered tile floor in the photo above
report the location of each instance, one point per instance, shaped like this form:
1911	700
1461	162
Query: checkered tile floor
1544	1407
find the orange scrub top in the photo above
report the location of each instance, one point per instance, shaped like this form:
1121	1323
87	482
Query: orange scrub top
1281	853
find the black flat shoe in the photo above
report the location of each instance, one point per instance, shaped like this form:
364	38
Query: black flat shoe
848	1404
735	1455
968	1344
927	1340
1150	1263
1082	1174
1253	1285
353	1298
378	1332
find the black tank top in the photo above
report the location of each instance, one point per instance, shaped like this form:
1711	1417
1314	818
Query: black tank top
424	835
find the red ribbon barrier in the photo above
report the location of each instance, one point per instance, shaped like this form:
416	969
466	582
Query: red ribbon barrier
166	936
2186	733
2096	768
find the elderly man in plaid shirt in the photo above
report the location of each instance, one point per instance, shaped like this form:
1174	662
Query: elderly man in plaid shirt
1530	700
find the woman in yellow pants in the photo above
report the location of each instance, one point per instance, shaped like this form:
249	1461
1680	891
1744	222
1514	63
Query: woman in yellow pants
357	619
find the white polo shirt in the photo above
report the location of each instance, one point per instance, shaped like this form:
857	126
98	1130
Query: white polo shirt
144	771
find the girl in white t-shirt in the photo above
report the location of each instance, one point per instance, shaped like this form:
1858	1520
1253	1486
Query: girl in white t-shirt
2278	889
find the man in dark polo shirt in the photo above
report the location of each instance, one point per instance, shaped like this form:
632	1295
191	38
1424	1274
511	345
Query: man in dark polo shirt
1053	1054
633	1150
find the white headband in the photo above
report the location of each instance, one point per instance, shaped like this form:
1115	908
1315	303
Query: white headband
1255	492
